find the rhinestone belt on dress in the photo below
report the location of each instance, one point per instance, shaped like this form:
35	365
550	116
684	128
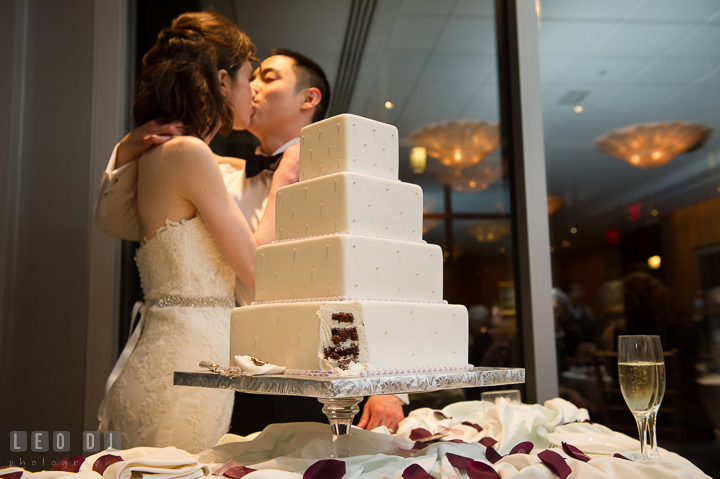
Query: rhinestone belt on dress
192	302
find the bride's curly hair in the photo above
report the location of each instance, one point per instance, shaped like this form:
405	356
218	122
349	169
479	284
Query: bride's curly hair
179	79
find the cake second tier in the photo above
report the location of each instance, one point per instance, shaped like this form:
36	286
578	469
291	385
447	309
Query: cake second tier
350	202
347	266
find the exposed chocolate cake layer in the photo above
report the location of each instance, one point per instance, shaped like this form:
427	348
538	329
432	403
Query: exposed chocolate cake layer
344	363
340	335
343	317
337	353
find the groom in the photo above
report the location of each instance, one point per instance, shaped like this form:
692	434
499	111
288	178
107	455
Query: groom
290	91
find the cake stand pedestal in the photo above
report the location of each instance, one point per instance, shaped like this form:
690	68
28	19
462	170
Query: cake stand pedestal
340	395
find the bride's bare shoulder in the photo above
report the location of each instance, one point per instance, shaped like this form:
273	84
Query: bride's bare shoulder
185	147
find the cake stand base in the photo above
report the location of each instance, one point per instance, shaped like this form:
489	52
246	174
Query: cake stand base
340	412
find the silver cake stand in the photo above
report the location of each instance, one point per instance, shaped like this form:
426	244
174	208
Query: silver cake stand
340	396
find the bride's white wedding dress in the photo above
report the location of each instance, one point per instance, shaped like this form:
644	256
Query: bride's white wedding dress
188	290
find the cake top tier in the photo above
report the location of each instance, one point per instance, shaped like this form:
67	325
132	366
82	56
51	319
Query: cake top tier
349	143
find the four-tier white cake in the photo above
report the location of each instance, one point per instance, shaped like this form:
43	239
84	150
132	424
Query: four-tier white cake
349	285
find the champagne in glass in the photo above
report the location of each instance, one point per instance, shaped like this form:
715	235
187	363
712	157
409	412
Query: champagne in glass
652	432
641	374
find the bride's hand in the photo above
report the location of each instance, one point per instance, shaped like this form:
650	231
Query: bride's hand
144	137
288	171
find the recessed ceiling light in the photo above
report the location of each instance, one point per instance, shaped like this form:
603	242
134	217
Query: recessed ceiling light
566	243
654	262
573	230
654	212
578	109
389	105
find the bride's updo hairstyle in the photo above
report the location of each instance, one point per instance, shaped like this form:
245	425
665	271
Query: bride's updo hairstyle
179	79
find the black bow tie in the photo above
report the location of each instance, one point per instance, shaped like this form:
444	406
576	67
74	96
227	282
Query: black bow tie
256	164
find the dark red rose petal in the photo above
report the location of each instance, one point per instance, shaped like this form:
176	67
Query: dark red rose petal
524	447
620	456
440	415
480	470
104	462
492	455
419	446
69	464
419	433
574	452
472	424
458	461
228	465
325	469
487	441
414	471
588	421
238	472
12	475
556	462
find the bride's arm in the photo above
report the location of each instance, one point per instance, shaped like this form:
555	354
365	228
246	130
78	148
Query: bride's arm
198	180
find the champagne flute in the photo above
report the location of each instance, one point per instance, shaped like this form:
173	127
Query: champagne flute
652	432
641	372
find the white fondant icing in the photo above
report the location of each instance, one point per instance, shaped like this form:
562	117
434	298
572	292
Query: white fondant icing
349	143
340	262
344	197
351	233
395	337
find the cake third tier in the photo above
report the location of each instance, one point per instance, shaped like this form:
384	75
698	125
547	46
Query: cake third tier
346	266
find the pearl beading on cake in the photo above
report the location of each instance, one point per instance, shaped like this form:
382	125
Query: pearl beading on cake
347	298
307	372
370	235
415	370
383	371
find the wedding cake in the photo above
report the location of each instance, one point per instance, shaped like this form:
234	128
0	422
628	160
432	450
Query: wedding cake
349	285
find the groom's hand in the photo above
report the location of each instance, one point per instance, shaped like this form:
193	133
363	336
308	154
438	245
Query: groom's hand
288	171
143	138
382	411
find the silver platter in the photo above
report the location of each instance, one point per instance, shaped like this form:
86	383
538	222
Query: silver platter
341	387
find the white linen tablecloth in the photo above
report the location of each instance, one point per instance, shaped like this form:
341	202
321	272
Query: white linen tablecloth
283	451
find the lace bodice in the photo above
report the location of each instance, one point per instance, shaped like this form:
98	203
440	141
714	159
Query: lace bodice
182	259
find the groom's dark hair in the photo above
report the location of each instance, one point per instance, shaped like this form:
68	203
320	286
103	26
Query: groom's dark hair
309	75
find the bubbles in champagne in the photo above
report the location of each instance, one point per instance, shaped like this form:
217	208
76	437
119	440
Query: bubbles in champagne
642	384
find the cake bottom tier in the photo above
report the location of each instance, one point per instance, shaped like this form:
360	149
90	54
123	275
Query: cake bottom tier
352	337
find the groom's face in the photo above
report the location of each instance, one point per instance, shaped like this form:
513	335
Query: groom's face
275	98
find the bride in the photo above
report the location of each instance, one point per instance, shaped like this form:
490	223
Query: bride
196	238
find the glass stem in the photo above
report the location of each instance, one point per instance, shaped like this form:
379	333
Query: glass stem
642	424
652	435
340	412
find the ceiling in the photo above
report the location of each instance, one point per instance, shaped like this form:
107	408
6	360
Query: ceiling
638	60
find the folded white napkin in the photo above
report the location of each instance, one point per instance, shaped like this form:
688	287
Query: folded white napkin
165	463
